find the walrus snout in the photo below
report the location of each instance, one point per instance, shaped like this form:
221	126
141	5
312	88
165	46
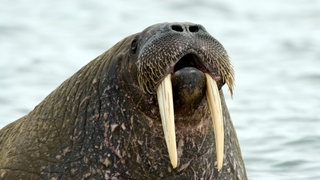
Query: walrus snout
166	44
188	86
185	52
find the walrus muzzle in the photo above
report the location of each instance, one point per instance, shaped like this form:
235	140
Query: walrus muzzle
165	100
158	60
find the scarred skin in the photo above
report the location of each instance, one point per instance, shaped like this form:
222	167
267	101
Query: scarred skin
104	121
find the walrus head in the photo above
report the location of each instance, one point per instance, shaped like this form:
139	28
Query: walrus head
182	64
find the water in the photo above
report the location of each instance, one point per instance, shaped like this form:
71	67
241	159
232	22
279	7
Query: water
274	46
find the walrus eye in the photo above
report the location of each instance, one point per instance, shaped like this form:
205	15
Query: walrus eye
134	46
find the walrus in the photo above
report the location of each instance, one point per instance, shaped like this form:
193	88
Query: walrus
150	107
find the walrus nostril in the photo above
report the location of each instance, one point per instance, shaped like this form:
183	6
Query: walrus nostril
194	28
177	28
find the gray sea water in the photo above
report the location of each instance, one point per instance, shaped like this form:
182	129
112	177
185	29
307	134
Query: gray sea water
274	46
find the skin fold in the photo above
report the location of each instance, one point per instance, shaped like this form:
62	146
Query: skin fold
104	121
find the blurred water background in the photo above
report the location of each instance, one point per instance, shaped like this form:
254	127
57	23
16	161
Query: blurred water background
274	46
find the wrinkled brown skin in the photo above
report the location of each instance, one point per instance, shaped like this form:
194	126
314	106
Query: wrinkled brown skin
100	124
